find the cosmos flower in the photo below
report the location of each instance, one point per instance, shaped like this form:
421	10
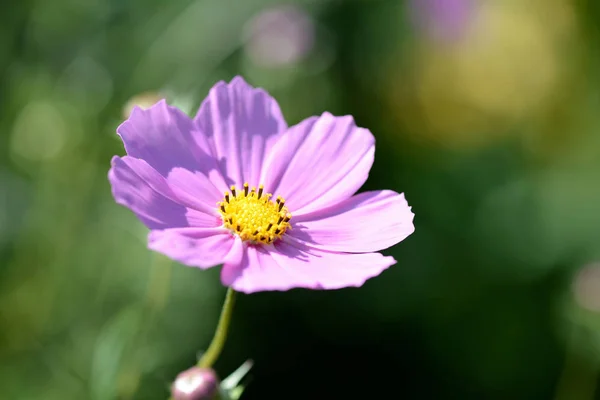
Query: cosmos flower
444	20
279	36
275	205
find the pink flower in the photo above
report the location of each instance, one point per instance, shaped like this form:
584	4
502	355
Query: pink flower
279	36
203	186
443	20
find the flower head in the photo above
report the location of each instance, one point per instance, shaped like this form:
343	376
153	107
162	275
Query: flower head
274	204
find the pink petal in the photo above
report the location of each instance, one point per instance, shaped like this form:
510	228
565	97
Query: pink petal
195	187
370	221
319	162
234	258
166	138
195	247
241	124
159	205
294	265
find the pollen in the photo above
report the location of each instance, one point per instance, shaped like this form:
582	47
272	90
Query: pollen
253	216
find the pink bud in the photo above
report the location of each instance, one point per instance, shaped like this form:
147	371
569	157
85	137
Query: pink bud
195	384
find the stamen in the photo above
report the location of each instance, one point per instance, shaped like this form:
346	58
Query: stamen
253	216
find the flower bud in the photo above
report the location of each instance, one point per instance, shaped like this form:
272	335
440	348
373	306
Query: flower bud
195	384
586	287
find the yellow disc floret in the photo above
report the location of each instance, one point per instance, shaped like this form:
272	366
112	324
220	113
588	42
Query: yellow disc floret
252	215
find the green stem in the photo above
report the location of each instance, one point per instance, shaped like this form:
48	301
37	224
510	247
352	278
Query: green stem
215	347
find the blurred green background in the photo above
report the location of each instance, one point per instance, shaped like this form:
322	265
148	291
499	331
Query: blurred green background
487	115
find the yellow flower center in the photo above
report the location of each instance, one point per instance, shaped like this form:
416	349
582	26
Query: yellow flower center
252	215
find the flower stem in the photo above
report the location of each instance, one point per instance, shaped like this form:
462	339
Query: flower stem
215	347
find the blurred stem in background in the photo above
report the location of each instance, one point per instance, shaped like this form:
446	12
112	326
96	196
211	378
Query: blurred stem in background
157	295
199	382
218	341
578	379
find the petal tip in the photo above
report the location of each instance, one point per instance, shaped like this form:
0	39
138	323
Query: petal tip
136	110
236	81
114	160
239	80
